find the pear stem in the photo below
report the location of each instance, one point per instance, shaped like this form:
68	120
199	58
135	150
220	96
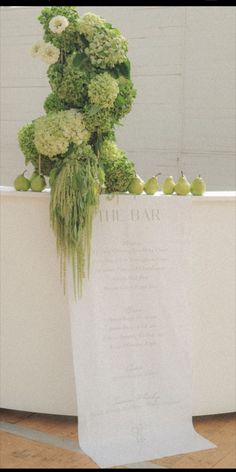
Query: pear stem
182	173
156	175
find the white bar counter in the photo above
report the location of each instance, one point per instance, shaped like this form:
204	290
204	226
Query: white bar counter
36	356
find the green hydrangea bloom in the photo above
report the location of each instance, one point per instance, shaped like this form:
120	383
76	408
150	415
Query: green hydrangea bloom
107	48
55	75
118	173
110	151
53	103
125	98
103	90
98	120
49	140
55	131
70	83
68	39
72	126
26	142
74	87
88	24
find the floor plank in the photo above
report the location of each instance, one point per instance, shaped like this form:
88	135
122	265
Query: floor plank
13	416
220	429
64	426
20	453
228	462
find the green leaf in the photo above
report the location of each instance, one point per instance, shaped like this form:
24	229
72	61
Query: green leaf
80	60
52	176
125	69
108	25
122	69
120	100
93	109
116	31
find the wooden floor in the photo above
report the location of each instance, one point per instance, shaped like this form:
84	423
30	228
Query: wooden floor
42	452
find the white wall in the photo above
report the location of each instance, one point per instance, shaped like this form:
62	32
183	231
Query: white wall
183	63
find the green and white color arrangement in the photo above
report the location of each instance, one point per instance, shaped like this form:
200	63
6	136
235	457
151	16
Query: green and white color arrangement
74	142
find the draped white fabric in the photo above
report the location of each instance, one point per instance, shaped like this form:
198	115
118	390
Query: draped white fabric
131	333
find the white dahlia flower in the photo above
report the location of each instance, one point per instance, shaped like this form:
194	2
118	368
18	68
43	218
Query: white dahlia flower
58	24
50	54
37	48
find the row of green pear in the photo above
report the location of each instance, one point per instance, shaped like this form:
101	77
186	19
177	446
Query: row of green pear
182	187
37	182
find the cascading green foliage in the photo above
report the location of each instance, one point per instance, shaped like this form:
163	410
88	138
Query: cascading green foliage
74	143
75	188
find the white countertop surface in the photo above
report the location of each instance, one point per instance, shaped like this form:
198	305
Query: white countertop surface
219	195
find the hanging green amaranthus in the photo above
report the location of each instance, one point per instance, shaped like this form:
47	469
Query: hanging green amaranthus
74	197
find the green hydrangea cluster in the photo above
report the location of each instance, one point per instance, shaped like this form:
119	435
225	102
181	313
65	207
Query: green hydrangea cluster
89	73
26	142
49	139
88	25
26	137
54	103
107	48
110	151
55	75
98	120
55	131
118	173
69	83
118	169
103	90
125	98
92	74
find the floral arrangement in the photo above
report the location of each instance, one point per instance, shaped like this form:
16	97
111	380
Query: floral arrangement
74	142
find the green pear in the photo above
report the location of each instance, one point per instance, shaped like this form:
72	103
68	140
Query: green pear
168	186
38	183
136	185
183	186
198	186
22	183
151	186
35	174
